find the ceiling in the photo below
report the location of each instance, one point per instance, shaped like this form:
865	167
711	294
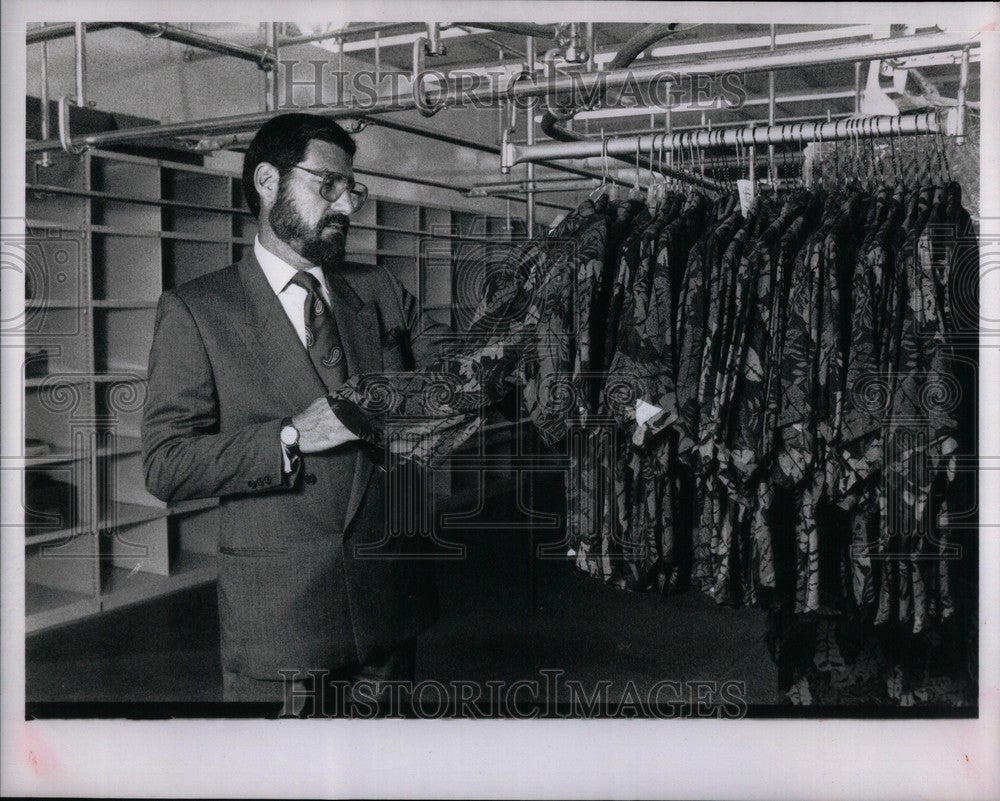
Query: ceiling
813	93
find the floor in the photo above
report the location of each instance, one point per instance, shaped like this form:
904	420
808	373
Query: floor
167	650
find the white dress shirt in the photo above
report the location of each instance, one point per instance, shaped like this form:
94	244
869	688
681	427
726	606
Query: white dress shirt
279	274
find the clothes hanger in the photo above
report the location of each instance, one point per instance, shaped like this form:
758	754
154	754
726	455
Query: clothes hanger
817	156
836	154
651	191
662	179
612	185
635	193
896	171
855	140
604	168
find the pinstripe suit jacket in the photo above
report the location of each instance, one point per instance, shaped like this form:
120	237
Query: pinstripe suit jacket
295	591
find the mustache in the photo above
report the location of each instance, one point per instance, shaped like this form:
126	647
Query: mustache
336	219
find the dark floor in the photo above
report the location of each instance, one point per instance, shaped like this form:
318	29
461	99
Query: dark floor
167	650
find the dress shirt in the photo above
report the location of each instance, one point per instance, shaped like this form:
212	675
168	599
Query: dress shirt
279	274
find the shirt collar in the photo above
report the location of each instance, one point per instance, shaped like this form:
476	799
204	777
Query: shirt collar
278	271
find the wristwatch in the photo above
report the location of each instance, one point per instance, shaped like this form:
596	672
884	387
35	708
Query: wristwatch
289	434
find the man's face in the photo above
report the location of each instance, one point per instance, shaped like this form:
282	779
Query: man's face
313	227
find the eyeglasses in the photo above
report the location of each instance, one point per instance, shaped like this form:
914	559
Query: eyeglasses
334	185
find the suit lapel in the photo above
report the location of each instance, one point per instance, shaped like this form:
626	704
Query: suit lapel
357	322
269	335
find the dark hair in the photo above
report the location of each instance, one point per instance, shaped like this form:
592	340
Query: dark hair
282	141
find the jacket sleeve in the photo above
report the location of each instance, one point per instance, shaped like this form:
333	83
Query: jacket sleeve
184	454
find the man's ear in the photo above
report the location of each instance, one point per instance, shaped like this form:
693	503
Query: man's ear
265	181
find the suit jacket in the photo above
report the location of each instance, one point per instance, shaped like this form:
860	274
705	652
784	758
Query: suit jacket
295	590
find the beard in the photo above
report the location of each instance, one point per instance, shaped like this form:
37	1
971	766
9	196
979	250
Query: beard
323	246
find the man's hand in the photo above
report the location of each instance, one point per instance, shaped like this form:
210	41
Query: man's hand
319	429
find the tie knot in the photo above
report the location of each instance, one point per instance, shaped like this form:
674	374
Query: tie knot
307	281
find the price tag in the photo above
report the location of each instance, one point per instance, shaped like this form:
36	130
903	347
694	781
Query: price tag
644	411
746	191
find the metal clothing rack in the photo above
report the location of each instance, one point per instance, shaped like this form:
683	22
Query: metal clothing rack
749	136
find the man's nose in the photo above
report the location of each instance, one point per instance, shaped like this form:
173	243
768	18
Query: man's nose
342	205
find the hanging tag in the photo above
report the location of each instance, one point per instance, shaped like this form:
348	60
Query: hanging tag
745	189
644	411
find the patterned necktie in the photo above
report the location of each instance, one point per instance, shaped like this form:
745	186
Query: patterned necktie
322	338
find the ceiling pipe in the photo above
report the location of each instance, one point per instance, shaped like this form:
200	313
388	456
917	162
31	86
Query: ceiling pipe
518	28
80	58
451	186
554	113
759	62
351	34
46	160
271	88
434	46
46	33
161	30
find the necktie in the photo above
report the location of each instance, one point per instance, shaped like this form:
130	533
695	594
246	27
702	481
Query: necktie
322	338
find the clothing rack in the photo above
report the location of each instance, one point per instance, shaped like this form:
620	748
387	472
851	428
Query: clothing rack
537	186
748	136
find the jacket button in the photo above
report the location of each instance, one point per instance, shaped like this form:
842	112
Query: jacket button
252	484
267	479
310	478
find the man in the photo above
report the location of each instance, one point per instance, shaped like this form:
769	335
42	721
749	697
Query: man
242	362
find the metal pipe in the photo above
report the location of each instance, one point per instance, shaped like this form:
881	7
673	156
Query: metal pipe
271	75
684	108
746	136
434	47
439	136
47	33
173	33
561	185
529	119
770	107
539	182
864	51
857	87
46	117
80	54
521	29
443	185
731	124
351	34
963	88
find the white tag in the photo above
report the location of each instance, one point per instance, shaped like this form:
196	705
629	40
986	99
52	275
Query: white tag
644	411
745	188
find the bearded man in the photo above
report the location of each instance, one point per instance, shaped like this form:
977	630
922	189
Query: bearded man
242	361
